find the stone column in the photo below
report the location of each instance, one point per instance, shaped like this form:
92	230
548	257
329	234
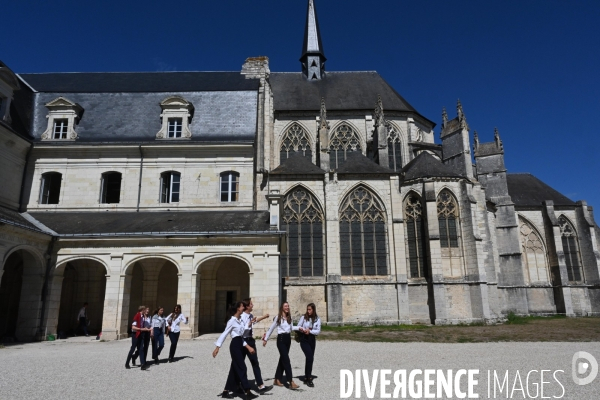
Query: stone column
335	314
112	294
398	246
186	294
50	324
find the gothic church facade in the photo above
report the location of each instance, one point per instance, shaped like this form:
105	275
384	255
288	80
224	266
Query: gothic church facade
202	188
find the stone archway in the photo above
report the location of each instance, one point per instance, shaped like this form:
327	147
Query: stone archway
20	296
83	281
222	281
151	282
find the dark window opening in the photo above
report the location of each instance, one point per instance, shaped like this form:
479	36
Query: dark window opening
229	186
50	191
111	188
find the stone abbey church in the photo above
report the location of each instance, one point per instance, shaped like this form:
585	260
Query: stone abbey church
202	188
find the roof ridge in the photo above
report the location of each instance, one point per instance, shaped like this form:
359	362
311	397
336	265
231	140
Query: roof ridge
124	72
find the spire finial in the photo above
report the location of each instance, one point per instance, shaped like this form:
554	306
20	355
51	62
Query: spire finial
475	140
324	124
313	59
497	139
444	117
461	116
379	117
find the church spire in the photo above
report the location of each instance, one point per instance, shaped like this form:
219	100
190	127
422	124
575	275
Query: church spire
313	58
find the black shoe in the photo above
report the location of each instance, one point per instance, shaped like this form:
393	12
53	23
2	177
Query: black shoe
226	395
133	362
265	389
310	383
170	360
249	395
144	367
127	366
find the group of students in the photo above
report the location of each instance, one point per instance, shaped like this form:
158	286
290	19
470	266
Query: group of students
145	329
243	345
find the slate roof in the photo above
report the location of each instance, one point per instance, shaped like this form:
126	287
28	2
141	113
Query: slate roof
527	190
341	90
488	149
357	163
145	223
297	165
11	217
427	166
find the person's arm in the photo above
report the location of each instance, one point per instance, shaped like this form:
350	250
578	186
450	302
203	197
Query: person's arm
261	318
298	327
316	327
223	336
270	331
187	320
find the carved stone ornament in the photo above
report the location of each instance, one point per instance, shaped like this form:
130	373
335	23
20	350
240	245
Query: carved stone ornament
64	113
176	107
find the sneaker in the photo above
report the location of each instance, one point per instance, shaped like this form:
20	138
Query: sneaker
264	389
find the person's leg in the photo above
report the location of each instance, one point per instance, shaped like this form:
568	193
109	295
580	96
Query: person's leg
174	339
305	346
237	362
231	384
254	361
160	338
143	345
154	343
279	369
286	360
131	351
138	345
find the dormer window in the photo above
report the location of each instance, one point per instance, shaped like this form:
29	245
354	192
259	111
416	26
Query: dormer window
60	128
176	117
175	127
62	117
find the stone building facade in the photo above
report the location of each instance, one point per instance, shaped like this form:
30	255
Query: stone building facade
202	188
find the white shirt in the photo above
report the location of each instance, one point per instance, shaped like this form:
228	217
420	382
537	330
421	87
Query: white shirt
283	327
82	313
247	321
315	328
235	327
174	323
159	321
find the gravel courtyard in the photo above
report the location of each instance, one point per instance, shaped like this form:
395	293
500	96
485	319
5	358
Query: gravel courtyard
84	369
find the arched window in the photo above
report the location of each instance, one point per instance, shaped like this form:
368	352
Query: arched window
170	184
533	253
295	140
415	236
111	188
50	189
571	249
448	220
343	141
302	219
230	182
394	148
363	234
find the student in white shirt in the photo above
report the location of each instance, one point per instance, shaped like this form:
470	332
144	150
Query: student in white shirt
284	325
249	321
309	327
82	318
173	321
159	323
237	371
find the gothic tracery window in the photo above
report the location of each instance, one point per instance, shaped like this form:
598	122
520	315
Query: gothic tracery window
448	220
415	236
533	253
302	219
394	148
571	249
343	141
295	141
363	234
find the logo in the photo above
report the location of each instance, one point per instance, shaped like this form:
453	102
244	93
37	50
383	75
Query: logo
584	363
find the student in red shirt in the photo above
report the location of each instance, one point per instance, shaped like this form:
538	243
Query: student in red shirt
137	339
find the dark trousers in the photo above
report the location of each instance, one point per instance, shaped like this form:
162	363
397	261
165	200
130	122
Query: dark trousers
174	338
136	343
158	343
142	347
308	343
83	325
237	370
284	342
253	360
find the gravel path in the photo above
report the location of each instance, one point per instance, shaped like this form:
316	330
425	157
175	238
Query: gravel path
82	369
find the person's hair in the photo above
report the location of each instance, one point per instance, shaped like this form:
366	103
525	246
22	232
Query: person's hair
247	302
177	313
156	311
314	314
282	315
141	308
233	309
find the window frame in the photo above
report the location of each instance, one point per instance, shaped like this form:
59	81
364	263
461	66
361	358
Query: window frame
174	127
52	177
104	187
167	194
562	221
63	132
230	181
419	223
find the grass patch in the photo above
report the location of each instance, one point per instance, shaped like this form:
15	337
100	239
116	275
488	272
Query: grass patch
2	346
373	328
513	319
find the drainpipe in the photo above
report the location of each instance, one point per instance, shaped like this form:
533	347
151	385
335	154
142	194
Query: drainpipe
45	287
140	182
22	193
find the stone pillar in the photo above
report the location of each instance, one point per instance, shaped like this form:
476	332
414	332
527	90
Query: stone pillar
398	246
335	314
435	256
50	324
112	294
123	305
185	292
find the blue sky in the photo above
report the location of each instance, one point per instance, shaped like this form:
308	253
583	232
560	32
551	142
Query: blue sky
530	68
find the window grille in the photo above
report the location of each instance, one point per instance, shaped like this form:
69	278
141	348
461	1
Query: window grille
533	253
295	141
60	128
230	186
394	149
571	249
415	236
175	127
343	141
170	187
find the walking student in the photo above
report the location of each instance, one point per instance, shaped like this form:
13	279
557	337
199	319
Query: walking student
284	325
309	327
158	333
144	339
137	339
82	318
173	321
249	320
237	371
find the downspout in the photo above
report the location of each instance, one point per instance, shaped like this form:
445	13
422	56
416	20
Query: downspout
22	193
45	287
140	182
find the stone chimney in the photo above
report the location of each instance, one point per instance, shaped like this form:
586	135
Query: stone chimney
256	67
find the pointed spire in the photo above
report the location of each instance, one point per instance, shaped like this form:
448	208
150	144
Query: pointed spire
475	140
444	117
313	58
497	139
461	116
324	124
379	117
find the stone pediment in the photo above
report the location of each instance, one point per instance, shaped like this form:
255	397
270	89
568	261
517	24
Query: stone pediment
176	102
63	103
